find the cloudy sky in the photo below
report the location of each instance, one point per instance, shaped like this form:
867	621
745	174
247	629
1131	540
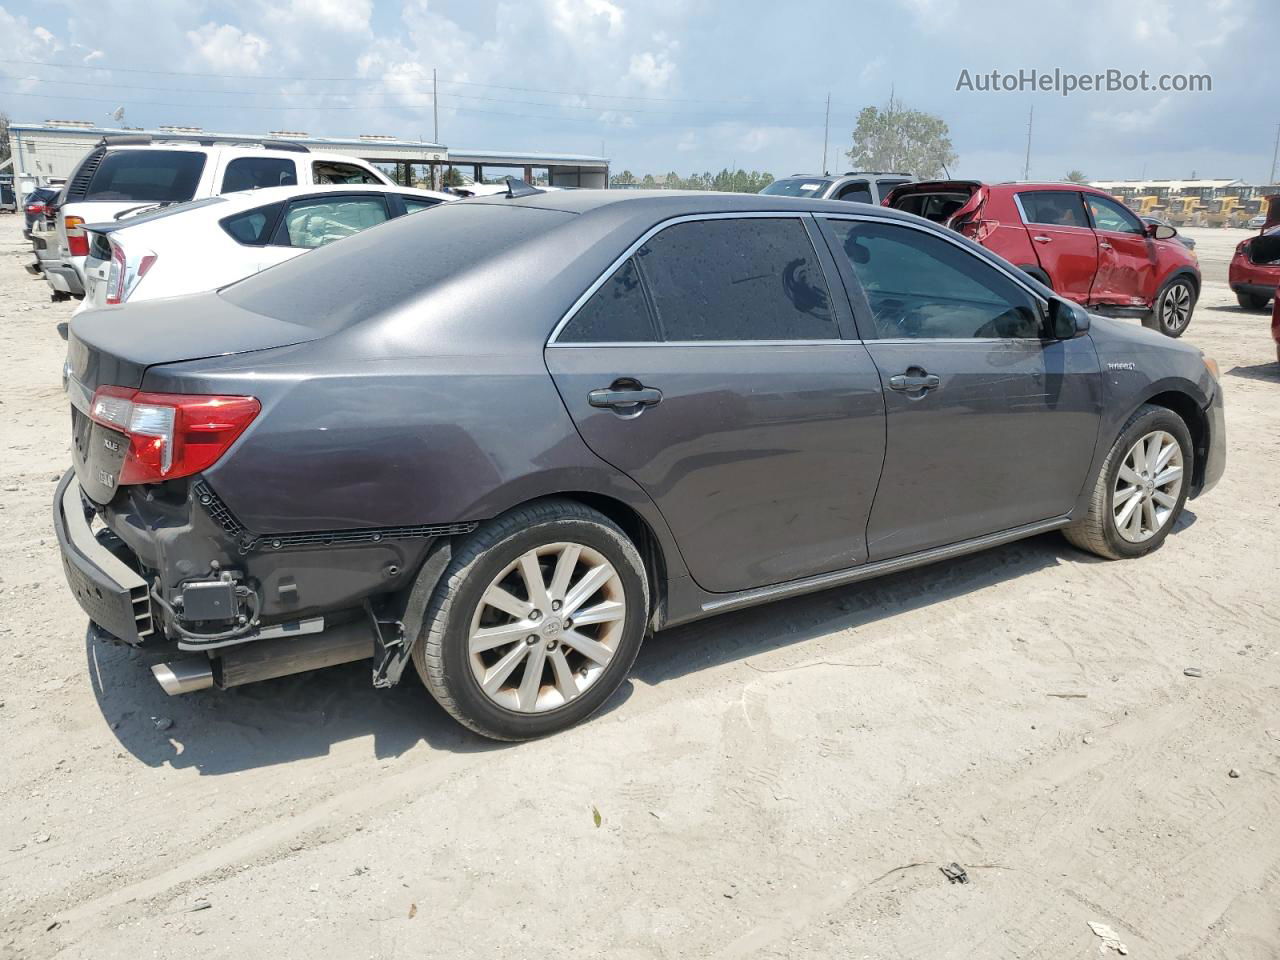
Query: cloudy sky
668	84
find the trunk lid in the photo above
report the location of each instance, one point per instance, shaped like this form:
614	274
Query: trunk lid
1273	213
117	345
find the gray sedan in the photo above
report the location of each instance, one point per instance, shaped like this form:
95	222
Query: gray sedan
505	439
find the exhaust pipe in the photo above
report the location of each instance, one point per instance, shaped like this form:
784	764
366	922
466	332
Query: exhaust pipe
184	676
268	659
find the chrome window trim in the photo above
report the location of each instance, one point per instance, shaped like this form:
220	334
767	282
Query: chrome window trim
553	340
699	343
943	235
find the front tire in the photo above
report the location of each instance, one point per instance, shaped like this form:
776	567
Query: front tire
1141	488
536	621
1171	314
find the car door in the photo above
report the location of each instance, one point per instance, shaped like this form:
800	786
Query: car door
990	426
708	365
1062	238
1127	257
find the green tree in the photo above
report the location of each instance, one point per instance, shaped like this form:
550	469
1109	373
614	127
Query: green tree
625	177
896	138
1076	176
452	178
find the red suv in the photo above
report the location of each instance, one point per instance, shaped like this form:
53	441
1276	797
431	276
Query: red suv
1254	273
1082	242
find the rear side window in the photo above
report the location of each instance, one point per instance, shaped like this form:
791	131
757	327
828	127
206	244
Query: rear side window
252	173
327	171
156	176
754	278
616	313
921	286
414	204
1054	208
253	227
858	191
316	222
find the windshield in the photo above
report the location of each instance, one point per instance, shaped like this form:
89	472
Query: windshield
797	187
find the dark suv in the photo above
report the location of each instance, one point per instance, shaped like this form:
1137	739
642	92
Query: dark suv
507	437
1085	244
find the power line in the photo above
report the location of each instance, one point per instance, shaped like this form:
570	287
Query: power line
417	73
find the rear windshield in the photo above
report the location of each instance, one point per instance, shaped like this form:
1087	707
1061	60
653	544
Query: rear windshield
158	176
797	187
148	214
342	284
937	207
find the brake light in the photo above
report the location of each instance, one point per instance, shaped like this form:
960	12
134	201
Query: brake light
171	435
77	239
125	272
978	230
34	208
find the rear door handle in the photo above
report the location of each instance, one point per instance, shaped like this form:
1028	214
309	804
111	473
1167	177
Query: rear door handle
909	383
626	395
1040	238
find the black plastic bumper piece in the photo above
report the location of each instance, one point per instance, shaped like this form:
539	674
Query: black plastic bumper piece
114	596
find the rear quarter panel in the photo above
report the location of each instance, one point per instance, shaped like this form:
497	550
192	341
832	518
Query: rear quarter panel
1010	239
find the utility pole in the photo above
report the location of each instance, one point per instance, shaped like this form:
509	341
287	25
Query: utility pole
1275	153
826	129
435	108
1026	166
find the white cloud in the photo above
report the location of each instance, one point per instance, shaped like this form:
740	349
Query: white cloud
229	48
688	141
652	71
582	19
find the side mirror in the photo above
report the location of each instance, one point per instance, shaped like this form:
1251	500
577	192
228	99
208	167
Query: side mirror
1161	231
1067	320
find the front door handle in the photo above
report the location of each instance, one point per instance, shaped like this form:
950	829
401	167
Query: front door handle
1041	238
911	383
1102	244
625	395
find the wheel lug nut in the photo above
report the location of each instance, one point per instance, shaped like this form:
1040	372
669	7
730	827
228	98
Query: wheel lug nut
531	640
555	604
536	615
551	644
568	623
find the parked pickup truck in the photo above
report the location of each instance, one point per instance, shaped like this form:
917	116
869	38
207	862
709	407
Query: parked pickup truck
1081	242
131	174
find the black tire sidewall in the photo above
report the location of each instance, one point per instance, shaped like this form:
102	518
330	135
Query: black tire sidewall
1154	419
489	717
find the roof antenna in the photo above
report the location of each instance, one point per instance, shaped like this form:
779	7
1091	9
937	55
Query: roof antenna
518	188
946	171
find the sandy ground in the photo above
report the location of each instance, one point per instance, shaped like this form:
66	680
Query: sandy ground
783	782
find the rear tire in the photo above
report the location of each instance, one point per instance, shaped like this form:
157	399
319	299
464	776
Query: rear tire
1251	301
1171	313
500	648
1130	510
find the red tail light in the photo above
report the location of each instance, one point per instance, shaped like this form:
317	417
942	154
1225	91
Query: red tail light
171	434
77	239
977	230
125	272
34	208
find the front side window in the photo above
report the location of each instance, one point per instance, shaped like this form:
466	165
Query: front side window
316	222
252	173
616	313
859	192
147	176
755	278
327	171
1109	215
1061	208
921	286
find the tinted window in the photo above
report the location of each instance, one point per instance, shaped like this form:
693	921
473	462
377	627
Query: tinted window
253	227
748	279
797	187
414	204
313	223
1056	207
326	171
920	285
616	313
888	186
858	192
250	173
1109	215
158	176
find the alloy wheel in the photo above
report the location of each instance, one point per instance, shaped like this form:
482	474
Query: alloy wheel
1175	307
1147	486
547	627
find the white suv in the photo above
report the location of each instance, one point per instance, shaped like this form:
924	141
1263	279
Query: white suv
859	186
131	173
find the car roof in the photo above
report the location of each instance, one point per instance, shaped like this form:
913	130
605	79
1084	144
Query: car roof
272	194
663	204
